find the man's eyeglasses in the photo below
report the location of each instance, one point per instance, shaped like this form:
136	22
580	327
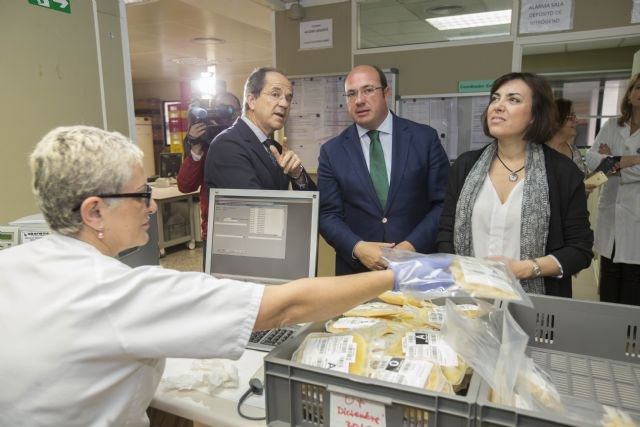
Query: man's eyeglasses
276	96
145	195
366	92
572	117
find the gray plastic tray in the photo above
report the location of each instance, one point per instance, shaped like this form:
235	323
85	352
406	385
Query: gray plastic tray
590	349
298	395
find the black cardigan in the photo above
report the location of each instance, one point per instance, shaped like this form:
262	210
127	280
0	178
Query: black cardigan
570	237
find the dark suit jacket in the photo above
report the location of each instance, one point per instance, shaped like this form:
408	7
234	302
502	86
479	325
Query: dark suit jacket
349	208
570	239
237	159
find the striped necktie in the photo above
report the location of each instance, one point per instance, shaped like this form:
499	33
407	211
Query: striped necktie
378	167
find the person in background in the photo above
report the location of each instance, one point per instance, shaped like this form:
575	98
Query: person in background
84	336
564	140
516	199
191	175
382	181
245	155
618	228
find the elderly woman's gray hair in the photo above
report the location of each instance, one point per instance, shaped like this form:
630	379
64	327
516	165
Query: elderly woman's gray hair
72	163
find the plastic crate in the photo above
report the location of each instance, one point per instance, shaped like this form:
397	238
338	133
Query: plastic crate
590	349
299	395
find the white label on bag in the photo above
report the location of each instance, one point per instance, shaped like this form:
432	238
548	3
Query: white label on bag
478	272
375	306
355	322
335	353
437	315
398	370
429	345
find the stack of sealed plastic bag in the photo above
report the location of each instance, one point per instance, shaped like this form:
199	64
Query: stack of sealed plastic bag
494	346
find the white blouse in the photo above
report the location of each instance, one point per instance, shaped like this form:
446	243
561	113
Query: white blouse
495	227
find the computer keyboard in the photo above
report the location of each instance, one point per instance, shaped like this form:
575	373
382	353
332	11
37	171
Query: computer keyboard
267	340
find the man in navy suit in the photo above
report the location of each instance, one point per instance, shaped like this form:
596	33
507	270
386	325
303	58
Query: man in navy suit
368	202
245	155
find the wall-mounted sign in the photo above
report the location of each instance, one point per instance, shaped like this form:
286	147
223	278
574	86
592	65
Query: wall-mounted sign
316	34
539	16
474	86
59	5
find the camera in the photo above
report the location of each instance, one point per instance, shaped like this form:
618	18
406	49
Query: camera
211	116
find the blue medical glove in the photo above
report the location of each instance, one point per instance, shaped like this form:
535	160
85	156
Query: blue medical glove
417	273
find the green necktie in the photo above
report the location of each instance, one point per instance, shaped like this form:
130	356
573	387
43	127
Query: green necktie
378	168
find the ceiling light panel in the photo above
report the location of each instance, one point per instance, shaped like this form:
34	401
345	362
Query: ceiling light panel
471	20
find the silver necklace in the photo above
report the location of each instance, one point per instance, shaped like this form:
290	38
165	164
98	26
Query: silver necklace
513	176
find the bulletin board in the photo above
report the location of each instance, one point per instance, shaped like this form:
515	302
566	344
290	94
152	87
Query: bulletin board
319	113
456	117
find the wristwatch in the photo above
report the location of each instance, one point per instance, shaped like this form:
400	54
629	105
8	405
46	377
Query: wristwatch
536	271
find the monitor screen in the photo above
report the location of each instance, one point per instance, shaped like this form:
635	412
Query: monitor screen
263	236
170	164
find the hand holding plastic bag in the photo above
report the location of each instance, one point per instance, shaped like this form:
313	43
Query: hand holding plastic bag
417	273
446	275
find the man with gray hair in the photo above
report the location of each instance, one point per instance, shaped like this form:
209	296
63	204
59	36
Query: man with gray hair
245	155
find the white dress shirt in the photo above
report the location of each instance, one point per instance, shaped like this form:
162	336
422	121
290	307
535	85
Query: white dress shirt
495	226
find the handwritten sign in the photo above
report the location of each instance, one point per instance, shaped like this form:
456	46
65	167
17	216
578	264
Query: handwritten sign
349	411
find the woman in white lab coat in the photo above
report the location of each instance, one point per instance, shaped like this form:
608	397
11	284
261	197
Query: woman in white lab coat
617	234
83	335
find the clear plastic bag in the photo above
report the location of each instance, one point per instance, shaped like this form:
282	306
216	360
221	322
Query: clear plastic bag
493	344
445	275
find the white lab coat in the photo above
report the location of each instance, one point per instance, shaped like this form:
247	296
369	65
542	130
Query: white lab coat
84	336
619	208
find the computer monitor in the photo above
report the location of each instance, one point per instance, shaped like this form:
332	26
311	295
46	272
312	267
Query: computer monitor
170	164
262	236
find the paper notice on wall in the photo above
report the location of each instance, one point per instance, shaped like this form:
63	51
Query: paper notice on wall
635	12
539	16
316	34
478	138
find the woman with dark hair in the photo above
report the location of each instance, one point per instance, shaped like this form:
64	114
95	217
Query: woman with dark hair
516	199
563	141
618	228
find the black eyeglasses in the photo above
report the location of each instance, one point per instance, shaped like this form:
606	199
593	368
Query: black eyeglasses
146	195
366	92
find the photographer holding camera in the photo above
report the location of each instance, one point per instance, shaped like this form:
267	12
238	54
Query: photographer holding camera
204	125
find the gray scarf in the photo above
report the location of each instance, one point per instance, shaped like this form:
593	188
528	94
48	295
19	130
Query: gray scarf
534	227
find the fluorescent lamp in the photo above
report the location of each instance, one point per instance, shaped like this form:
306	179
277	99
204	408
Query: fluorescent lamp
476	36
471	20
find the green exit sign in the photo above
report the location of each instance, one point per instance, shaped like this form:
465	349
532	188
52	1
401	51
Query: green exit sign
474	86
59	5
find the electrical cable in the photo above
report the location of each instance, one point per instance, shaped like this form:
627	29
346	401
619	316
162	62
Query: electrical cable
255	387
